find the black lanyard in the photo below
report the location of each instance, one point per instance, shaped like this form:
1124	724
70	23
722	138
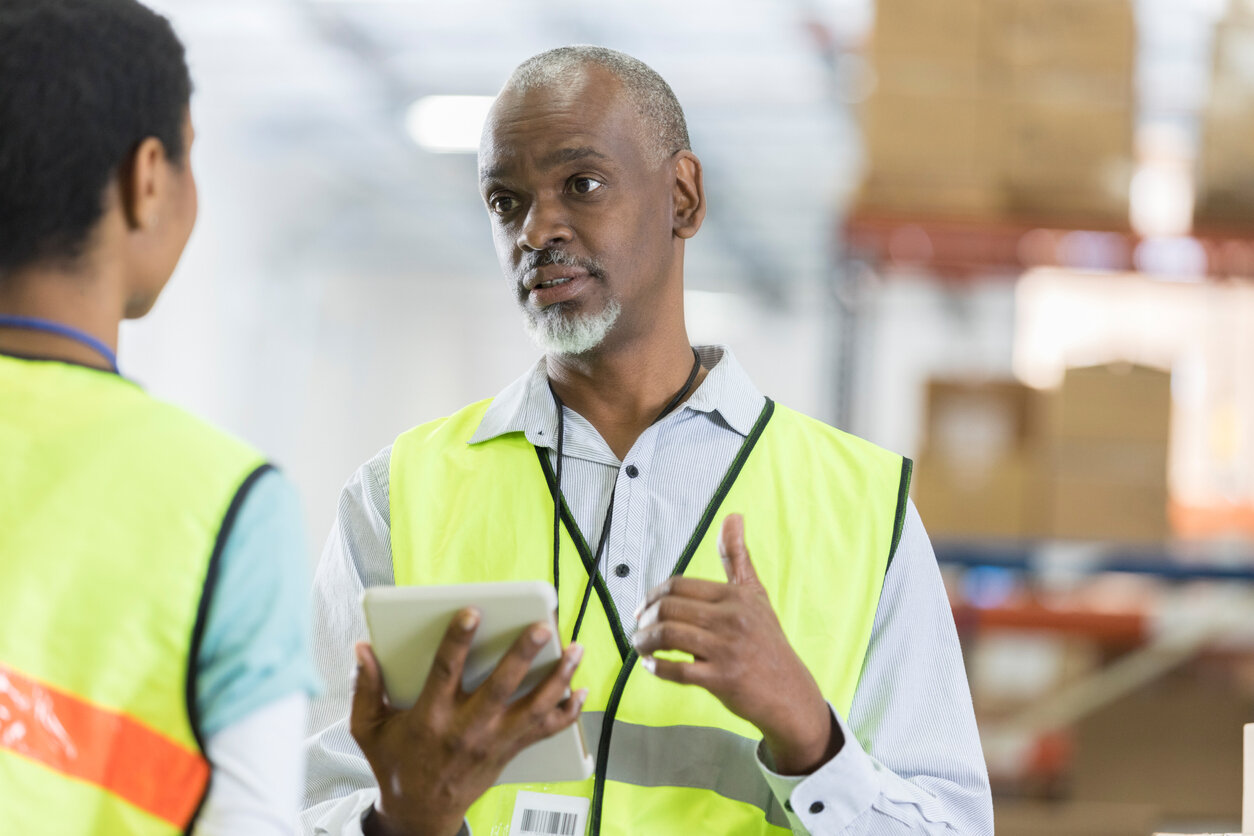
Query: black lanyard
609	512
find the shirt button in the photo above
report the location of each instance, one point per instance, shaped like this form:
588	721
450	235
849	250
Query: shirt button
816	807
622	570
632	471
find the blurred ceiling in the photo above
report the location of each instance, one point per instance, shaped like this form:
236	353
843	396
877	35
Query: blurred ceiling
300	104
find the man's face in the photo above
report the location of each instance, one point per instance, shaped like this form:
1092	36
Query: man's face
581	215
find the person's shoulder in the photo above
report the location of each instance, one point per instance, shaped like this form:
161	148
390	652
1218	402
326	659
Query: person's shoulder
175	424
800	424
462	422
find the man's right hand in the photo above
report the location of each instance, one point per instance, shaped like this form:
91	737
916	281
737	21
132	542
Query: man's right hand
434	760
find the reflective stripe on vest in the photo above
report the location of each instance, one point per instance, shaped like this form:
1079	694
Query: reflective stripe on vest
79	740
112	511
822	512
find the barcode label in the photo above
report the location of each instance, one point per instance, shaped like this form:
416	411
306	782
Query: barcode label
545	814
549	822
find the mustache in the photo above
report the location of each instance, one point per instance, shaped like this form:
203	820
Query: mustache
540	258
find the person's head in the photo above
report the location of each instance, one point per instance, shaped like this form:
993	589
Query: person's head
591	188
94	142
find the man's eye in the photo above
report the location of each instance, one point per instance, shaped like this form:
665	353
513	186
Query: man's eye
502	204
585	185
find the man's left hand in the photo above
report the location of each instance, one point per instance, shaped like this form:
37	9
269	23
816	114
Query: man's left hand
740	655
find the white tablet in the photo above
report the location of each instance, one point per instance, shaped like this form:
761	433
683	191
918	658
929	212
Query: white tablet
407	624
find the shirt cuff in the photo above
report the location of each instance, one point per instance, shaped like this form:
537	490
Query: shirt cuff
829	799
342	816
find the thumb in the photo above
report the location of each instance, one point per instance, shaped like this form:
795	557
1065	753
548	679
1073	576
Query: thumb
731	547
368	708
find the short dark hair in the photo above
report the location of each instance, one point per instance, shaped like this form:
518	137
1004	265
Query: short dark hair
82	84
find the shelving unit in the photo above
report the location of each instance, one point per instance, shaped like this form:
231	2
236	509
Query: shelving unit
1178	562
966	248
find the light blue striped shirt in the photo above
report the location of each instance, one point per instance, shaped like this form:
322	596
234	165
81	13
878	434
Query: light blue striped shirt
911	762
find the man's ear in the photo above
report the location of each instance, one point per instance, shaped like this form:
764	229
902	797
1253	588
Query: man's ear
144	181
688	195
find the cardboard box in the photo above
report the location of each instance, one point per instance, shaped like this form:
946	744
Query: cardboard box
992	107
924	145
929	153
1117	460
894	127
1091	504
949	31
999	498
1067	158
980	421
1225	182
979	474
918	196
1105	455
1226	159
922	48
1072	818
1175	744
1115	403
1078	50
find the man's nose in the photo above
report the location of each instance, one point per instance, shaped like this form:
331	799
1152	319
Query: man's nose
544	228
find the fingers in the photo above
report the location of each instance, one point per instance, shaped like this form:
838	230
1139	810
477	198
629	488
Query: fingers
368	706
695	588
508	675
549	723
675	608
547	710
683	673
673	635
731	547
450	658
553	689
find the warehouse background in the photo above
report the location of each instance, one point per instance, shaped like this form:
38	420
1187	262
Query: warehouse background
1013	239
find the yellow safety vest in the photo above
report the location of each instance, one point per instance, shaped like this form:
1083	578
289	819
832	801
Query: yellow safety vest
113	508
823	512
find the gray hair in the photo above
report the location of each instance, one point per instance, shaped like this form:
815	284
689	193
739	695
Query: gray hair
665	128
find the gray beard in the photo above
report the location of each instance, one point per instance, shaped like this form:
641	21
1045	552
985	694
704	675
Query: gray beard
556	332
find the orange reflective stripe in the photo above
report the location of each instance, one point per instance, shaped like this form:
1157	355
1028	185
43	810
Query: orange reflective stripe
111	750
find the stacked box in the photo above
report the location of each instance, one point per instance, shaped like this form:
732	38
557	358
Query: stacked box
925	136
1226	161
977	476
1108	437
1063	71
1062	50
993	107
1086	462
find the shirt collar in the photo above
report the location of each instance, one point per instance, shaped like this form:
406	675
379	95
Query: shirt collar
526	405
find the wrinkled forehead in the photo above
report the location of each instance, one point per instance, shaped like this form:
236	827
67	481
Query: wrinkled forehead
583	110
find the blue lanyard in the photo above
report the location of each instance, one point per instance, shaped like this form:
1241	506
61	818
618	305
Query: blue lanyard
33	323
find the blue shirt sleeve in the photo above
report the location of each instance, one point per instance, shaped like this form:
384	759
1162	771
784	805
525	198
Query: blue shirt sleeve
255	648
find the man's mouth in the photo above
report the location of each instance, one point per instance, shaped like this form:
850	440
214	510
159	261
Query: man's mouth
549	276
553	283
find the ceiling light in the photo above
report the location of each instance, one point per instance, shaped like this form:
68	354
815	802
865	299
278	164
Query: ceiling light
448	124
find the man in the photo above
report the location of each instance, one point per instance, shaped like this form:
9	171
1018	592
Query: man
154	662
794	666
